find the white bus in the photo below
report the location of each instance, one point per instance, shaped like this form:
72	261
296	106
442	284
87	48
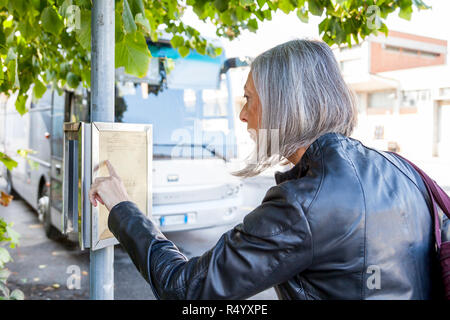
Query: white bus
193	140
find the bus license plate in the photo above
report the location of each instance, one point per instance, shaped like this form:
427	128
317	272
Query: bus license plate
173	219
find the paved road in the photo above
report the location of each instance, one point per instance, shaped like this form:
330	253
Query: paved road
40	267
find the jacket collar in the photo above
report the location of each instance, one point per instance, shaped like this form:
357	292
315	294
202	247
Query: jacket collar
311	154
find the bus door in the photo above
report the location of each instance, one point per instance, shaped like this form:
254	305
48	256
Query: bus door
69	107
56	175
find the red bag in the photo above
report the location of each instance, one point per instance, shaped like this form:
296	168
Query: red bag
440	198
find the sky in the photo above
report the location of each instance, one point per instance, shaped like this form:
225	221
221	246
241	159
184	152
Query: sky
432	23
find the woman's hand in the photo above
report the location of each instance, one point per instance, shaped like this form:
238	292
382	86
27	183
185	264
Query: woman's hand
109	191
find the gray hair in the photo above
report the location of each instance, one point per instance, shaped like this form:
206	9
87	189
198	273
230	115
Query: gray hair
303	96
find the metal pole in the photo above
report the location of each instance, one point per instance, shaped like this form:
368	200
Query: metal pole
101	273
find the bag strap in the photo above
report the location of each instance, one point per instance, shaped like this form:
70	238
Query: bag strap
437	196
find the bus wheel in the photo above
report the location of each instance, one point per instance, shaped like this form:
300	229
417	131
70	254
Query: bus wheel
44	214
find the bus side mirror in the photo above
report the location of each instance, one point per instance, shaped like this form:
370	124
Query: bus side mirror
235	62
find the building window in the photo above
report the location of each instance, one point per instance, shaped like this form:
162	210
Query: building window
378	133
392	48
444	91
359	99
412	98
430	55
412	52
381	100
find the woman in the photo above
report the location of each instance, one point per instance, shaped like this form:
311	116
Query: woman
346	222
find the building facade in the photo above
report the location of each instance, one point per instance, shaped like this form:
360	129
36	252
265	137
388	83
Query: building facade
402	85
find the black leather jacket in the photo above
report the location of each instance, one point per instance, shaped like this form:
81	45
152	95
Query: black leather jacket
347	222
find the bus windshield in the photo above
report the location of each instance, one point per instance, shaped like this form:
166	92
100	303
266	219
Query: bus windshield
187	122
192	116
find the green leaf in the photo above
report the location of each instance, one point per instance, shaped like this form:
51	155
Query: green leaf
4	275
142	21
218	51
315	8
16	75
118	28
25	152
421	5
13	76
27	30
86	76
267	14
4	289
252	25
184	51
133	54
286	6
323	26
13	235
246	2
20	104
51	21
62	10
405	13
128	20
39	89
12	55
4	257
384	29
303	15
73	80
17	295
20	6
7	161
177	41
137	6
83	34
221	5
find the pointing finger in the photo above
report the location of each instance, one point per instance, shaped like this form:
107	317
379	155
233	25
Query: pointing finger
111	170
98	180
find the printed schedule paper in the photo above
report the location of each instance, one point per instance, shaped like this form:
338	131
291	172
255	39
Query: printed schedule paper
127	152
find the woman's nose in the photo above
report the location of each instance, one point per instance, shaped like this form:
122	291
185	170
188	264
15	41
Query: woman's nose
243	114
